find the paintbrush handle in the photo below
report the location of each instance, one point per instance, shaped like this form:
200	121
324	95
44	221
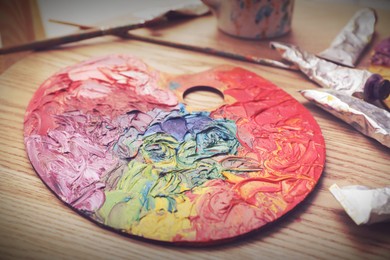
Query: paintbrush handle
46	43
82	35
215	52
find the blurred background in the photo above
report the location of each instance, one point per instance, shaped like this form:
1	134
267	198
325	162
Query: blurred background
92	12
23	21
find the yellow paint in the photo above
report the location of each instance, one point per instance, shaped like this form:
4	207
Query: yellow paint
165	226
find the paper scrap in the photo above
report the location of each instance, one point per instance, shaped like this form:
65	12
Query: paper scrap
362	204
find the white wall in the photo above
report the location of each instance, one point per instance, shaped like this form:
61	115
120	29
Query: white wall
92	12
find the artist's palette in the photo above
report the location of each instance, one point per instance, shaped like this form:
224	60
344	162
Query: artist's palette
113	139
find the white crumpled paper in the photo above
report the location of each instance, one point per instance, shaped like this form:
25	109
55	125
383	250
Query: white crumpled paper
362	204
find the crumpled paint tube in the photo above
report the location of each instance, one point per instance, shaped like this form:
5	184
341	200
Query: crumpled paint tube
352	39
346	84
365	117
326	74
362	204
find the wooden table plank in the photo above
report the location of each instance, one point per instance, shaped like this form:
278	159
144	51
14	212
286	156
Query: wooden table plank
35	224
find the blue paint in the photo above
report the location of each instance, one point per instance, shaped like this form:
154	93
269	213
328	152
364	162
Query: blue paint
283	23
146	189
127	199
177	127
264	12
145	200
171	204
174	85
242	4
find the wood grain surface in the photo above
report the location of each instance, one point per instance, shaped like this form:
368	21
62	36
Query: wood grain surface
35	224
20	22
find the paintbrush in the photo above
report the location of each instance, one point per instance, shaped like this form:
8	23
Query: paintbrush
206	50
216	52
86	33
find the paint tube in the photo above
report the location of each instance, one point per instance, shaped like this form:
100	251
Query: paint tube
348	45
365	117
350	91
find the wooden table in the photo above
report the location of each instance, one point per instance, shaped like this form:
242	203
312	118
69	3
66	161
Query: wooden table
35	224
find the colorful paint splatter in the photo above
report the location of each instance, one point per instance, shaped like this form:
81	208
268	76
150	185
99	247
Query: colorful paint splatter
112	140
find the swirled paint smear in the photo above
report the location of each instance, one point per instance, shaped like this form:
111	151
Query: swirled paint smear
175	155
114	141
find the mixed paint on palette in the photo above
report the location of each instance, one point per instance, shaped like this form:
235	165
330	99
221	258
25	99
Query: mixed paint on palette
113	139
